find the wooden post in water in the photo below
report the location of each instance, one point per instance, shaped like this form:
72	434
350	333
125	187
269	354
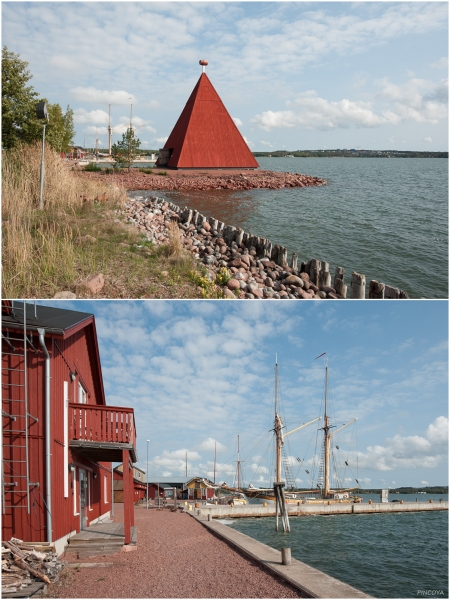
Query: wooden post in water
357	286
313	271
376	289
324	275
280	502
294	262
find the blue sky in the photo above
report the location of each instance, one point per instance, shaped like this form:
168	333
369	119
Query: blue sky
197	372
293	75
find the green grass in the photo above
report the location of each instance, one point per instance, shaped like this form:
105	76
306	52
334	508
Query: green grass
42	252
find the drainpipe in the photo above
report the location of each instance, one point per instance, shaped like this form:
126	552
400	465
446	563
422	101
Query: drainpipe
48	479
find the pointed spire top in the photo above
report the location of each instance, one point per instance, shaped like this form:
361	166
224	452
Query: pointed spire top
203	62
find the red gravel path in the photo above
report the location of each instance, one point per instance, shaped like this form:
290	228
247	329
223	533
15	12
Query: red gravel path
176	557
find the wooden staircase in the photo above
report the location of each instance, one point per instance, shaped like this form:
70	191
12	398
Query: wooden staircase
99	540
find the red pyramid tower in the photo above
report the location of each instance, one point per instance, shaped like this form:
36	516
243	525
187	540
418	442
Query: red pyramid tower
205	136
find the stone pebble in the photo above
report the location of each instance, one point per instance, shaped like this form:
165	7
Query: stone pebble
253	274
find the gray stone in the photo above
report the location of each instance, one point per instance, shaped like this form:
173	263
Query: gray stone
64	295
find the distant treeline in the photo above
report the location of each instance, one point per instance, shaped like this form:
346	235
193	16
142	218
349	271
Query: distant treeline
437	489
351	153
410	490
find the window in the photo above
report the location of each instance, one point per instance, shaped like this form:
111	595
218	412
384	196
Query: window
82	396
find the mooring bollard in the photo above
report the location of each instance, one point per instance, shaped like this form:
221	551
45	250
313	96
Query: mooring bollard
209	516
294	261
199	512
286	556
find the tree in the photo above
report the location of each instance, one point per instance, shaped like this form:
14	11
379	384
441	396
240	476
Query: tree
19	121
60	130
125	151
18	100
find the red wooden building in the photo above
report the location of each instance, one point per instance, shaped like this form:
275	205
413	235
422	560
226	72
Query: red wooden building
205	136
139	487
58	437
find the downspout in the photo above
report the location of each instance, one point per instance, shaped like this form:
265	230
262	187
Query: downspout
48	479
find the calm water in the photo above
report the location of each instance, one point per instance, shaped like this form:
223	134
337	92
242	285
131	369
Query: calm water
385	218
386	556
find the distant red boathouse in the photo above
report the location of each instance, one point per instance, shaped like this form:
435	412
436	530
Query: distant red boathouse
205	136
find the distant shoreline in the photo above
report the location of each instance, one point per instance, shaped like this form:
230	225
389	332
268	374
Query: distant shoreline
349	154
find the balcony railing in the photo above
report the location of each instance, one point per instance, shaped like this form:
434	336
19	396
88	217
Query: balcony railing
94	423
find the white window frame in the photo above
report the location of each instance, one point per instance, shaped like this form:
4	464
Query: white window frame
105	488
82	394
75	495
66	438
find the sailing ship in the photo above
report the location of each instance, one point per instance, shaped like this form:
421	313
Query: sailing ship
322	493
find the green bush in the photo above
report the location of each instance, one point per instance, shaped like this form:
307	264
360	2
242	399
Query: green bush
92	167
148	171
162	173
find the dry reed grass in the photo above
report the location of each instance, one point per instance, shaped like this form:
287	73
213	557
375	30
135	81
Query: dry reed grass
174	247
37	245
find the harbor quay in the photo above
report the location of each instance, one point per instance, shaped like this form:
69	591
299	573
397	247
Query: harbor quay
300	509
180	554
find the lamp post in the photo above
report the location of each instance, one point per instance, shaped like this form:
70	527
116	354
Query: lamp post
41	113
147	472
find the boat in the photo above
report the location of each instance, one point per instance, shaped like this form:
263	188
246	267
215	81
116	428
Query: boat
323	493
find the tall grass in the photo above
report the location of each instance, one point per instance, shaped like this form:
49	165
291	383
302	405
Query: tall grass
38	245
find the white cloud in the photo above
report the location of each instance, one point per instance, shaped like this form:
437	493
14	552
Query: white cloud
410	452
424	482
237	122
153	104
418	100
442	63
90	94
161	140
209	445
81	115
268	144
427	139
249	144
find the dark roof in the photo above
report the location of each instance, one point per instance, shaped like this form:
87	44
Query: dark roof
53	320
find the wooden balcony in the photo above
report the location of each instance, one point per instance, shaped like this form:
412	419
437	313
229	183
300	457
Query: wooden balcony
102	432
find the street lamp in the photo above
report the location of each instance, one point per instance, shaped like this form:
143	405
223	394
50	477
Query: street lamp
148	441
42	114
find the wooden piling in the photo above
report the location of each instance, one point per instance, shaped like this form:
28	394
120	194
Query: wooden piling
376	289
358	286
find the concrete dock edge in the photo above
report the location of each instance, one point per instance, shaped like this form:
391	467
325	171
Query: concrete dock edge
310	582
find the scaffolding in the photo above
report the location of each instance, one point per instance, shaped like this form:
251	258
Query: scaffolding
15	410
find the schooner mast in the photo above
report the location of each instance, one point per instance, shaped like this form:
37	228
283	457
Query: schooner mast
278	427
327	436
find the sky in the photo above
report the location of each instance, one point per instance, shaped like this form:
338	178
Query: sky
200	373
293	75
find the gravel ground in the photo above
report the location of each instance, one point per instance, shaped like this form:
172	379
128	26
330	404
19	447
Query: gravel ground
213	180
176	557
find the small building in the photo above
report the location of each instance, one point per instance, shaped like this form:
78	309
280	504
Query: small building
139	485
205	136
59	435
199	488
165	491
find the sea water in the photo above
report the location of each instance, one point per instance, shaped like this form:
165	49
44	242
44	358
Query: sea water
384	218
397	555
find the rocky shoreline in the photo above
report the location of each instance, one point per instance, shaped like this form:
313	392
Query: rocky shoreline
217	180
244	265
